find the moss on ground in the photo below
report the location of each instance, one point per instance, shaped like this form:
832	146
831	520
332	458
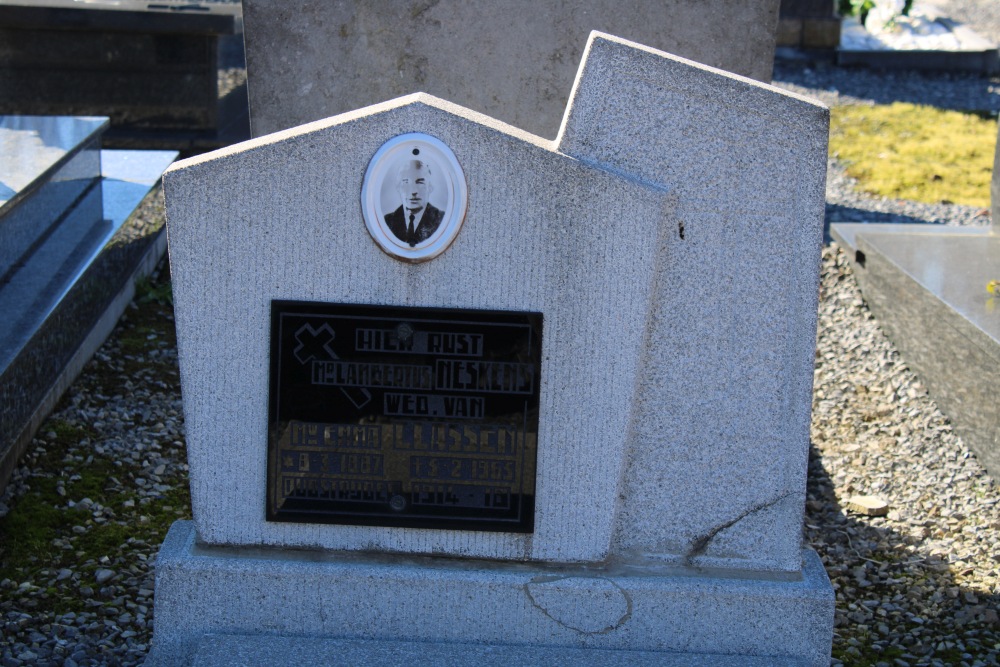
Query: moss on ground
920	153
42	533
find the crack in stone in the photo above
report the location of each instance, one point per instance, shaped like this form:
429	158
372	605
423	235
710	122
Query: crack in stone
603	631
700	544
422	8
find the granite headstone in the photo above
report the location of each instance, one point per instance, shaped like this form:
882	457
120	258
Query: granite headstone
608	339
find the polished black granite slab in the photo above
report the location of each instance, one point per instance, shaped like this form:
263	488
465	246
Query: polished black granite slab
124	15
926	285
35	148
65	297
48	164
152	68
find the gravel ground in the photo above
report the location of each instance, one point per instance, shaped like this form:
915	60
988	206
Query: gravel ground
833	85
110	463
919	586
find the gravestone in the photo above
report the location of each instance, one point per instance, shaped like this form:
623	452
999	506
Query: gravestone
808	24
151	67
70	250
932	289
513	59
561	413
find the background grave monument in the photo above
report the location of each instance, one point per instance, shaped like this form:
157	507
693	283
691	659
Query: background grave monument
512	59
665	465
808	24
152	68
928	286
71	247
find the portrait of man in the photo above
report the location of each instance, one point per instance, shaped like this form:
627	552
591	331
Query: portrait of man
414	197
416	219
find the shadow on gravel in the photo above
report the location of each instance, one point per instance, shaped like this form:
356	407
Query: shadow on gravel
962	91
837	213
841	213
893	595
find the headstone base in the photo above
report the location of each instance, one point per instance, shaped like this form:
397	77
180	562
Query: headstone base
213	602
242	650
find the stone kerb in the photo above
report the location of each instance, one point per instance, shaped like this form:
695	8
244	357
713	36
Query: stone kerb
279	218
717	464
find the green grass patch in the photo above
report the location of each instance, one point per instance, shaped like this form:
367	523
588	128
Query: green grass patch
27	533
134	341
149	291
42	515
40	519
70	461
175	504
919	153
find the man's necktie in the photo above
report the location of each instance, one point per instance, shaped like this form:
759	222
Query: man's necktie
410	237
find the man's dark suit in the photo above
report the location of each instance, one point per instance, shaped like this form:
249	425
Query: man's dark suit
397	221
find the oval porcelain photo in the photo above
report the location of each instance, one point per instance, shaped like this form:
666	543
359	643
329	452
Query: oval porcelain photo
414	197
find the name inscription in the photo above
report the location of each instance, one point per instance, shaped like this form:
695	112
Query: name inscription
411	417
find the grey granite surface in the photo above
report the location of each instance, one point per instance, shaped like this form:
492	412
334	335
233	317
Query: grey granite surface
532	609
511	59
278	218
716	474
673	419
692	455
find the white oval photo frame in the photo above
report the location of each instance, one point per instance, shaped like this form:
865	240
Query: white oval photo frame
381	201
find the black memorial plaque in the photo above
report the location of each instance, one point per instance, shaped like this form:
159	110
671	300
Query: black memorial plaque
399	416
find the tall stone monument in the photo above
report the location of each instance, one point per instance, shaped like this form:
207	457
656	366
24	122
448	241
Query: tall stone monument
456	394
511	59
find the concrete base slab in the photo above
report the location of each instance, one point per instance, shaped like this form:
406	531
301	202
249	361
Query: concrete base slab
927	286
388	607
